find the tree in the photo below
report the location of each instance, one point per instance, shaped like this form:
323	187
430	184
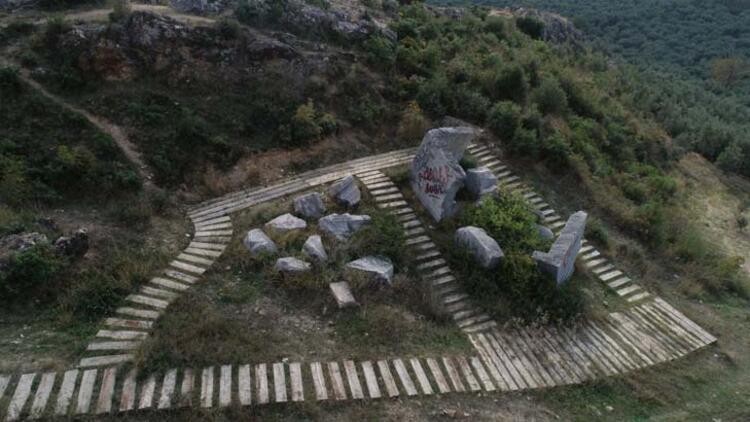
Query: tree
728	71
550	97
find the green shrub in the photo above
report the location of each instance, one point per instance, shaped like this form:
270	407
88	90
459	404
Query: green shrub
509	82
30	273
384	236
381	52
531	27
495	25
413	124
550	97
228	28
505	119
507	219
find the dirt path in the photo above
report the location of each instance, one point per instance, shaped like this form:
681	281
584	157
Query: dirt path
117	134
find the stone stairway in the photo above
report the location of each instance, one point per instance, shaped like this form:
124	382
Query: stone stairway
430	262
509	359
594	261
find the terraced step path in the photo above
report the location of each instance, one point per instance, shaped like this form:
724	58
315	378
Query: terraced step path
509	360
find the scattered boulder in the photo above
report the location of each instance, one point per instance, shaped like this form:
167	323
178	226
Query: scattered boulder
481	181
345	191
75	245
257	242
379	268
436	175
484	248
343	295
314	248
310	205
343	226
286	222
561	258
16	243
545	232
291	265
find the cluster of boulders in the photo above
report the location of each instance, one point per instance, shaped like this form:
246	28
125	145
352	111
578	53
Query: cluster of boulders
72	246
559	261
340	227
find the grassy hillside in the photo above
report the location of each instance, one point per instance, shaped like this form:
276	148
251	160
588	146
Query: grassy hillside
681	77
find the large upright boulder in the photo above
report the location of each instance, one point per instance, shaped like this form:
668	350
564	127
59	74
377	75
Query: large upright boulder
343	226
481	181
484	248
310	205
436	175
345	191
560	261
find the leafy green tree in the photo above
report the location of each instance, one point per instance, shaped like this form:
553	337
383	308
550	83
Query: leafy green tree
729	71
505	119
550	97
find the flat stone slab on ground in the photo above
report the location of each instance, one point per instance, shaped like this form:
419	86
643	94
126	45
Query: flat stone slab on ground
257	242
310	205
378	267
343	295
343	226
291	265
483	247
286	222
345	191
314	248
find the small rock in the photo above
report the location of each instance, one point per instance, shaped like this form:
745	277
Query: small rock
545	232
379	268
286	222
480	182
310	205
257	242
484	248
291	265
314	248
343	226
345	191
343	295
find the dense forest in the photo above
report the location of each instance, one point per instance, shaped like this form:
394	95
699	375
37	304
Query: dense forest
690	64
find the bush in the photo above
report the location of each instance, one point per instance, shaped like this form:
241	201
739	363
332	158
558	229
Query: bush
531	27
550	97
304	124
413	123
509	83
507	219
505	119
228	28
30	273
384	236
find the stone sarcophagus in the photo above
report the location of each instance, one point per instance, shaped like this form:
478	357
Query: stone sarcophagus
560	261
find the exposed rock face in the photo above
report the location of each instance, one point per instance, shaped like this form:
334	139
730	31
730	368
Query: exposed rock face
75	245
343	295
200	7
381	269
557	29
291	265
310	205
314	248
343	226
286	222
484	248
346	192
436	175
258	243
298	17
561	258
481	181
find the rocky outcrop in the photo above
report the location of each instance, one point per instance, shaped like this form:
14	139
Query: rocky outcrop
557	29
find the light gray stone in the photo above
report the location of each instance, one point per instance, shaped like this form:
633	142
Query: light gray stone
257	242
484	248
561	258
545	232
481	181
314	248
379	268
436	175
343	226
345	191
291	265
286	222
310	205
343	295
